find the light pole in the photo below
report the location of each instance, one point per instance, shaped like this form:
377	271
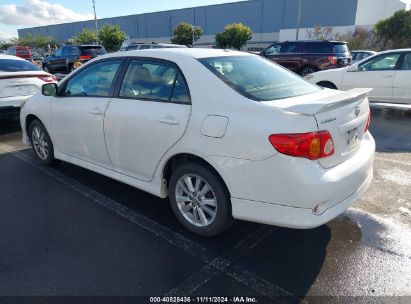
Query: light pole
95	20
298	20
194	28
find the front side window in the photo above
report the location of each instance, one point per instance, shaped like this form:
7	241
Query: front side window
66	51
152	80
257	78
96	80
385	62
273	50
58	52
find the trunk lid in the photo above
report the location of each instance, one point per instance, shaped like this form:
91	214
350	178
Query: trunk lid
343	114
19	84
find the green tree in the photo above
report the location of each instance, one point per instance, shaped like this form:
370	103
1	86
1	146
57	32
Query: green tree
111	37
86	36
395	32
235	35
183	34
34	41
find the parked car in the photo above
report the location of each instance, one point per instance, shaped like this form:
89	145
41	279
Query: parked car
67	58
19	80
306	57
153	45
360	55
36	57
20	51
224	134
387	73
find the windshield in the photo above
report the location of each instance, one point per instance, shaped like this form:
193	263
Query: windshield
10	65
257	78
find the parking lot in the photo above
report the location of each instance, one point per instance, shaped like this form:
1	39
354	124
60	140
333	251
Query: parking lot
69	232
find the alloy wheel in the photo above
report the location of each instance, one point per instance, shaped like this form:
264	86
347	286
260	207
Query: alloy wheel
196	200
40	144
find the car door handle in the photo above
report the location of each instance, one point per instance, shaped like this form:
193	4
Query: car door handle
96	112
169	121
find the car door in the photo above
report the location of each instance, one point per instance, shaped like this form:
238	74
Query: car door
376	73
147	116
291	55
54	60
77	113
402	81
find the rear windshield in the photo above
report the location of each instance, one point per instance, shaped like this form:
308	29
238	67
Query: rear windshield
93	50
9	65
257	78
340	48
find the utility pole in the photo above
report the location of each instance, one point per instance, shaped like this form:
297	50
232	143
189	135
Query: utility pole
194	28
298	20
95	20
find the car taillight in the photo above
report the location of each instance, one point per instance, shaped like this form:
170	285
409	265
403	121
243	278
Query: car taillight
48	78
85	57
313	145
332	59
368	122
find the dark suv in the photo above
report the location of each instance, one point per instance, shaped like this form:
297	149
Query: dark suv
67	58
306	57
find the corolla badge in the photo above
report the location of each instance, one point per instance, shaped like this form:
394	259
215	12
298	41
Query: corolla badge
357	111
328	120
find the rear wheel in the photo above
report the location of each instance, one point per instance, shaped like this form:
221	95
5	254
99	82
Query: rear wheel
41	143
308	70
199	199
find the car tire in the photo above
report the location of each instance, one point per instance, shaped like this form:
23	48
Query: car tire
308	69
203	208
41	143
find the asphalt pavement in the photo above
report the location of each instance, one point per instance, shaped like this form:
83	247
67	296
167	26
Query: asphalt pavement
66	231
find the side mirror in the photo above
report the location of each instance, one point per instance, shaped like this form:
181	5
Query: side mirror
354	68
49	89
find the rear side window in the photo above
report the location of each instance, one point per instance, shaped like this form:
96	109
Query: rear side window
273	50
257	78
92	51
291	48
406	64
145	47
340	48
157	81
9	65
319	48
96	80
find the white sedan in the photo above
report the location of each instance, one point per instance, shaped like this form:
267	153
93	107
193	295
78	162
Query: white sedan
387	73
225	135
19	80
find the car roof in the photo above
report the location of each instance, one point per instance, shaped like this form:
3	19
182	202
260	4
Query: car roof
181	52
12	57
395	51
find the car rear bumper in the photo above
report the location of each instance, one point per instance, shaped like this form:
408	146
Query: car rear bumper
13	101
295	192
292	217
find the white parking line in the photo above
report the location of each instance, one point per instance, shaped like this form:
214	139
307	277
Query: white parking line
221	264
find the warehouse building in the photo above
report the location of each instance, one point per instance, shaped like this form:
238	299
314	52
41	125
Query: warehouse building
270	20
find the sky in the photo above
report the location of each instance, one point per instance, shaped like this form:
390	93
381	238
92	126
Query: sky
16	14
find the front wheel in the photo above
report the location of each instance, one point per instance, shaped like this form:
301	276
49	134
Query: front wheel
41	143
199	199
